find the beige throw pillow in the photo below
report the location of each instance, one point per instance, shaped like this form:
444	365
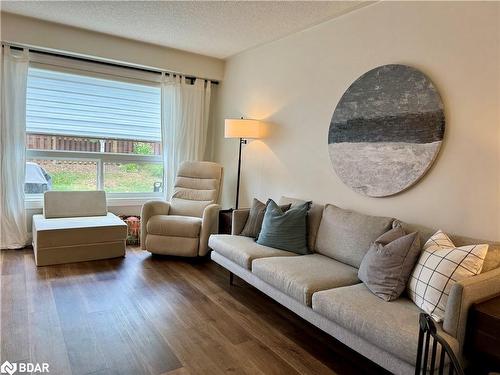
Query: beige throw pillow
440	265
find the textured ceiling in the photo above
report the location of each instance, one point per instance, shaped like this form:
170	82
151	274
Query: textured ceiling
219	28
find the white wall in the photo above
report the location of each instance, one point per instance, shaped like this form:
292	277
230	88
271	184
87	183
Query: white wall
297	81
34	32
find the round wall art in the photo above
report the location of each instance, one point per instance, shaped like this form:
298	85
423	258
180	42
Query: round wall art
386	130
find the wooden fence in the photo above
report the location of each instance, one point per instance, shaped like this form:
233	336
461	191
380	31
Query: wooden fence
62	143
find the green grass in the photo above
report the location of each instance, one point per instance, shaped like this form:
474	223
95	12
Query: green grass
118	178
66	181
132	178
130	182
125	179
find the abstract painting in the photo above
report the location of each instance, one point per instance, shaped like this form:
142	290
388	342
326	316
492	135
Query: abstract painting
386	130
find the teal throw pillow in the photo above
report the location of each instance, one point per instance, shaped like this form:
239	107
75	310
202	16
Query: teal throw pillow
285	230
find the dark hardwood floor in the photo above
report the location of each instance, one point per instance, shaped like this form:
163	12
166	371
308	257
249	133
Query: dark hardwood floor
147	314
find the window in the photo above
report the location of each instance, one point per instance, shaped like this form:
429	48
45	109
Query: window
87	131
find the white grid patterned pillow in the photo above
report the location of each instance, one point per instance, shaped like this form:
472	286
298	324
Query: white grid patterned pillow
441	264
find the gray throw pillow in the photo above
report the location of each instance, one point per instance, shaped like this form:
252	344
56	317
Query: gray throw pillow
387	265
285	230
255	217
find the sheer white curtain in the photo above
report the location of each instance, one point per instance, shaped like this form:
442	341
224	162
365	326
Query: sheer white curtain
14	73
185	109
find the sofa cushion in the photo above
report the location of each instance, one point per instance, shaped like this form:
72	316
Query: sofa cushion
242	250
48	233
346	235
300	277
173	225
392	326
64	204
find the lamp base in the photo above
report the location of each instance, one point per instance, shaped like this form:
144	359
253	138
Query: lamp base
242	142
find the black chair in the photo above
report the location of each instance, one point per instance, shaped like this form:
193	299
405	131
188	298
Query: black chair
427	346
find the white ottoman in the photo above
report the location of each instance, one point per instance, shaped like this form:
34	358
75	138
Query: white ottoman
96	234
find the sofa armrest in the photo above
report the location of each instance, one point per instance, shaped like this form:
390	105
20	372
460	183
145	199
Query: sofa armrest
240	217
209	225
150	209
462	295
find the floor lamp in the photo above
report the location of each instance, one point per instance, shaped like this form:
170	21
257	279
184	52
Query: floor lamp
243	129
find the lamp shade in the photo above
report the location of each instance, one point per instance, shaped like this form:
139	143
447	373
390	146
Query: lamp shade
242	128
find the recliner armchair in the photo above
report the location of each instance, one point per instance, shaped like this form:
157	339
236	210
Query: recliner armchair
182	226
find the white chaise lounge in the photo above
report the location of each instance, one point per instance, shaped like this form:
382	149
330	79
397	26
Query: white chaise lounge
77	227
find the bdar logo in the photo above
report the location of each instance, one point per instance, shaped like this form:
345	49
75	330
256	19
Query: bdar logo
8	368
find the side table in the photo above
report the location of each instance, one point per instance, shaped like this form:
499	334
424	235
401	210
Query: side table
482	344
225	221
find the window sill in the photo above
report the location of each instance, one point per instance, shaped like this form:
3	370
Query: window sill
34	203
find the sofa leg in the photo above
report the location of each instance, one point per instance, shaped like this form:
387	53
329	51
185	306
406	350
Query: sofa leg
231	278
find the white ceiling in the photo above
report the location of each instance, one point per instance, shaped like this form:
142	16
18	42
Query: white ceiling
220	28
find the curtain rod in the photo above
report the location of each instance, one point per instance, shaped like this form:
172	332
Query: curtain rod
118	65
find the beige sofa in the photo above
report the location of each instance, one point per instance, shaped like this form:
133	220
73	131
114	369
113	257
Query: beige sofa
327	293
182	226
76	227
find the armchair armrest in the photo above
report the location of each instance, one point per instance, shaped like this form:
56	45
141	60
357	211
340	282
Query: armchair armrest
240	217
462	295
209	225
150	209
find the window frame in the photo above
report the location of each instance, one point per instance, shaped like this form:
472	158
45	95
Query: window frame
97	70
99	158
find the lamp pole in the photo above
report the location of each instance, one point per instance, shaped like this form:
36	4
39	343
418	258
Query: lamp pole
242	142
